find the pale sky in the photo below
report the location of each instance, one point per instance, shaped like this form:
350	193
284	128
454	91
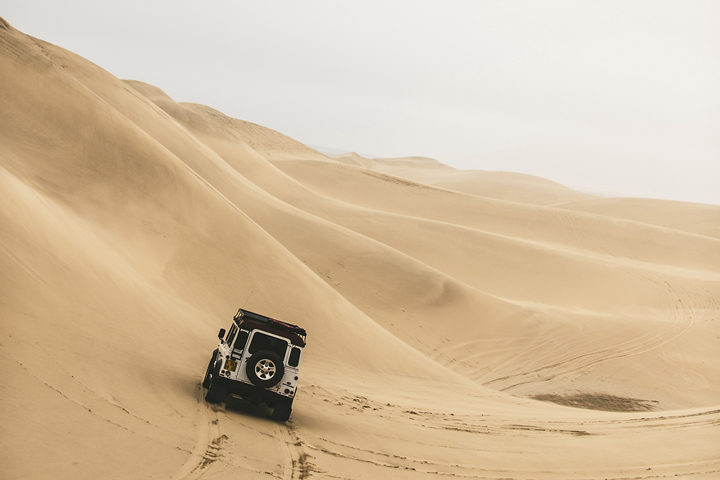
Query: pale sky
611	97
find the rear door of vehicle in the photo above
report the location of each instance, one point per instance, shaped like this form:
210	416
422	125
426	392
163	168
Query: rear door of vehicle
259	341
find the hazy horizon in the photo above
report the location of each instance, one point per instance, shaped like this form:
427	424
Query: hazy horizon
617	97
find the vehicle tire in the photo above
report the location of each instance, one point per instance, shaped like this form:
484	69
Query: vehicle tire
215	392
208	372
265	369
282	411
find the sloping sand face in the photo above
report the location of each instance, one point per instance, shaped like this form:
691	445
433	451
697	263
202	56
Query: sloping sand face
460	323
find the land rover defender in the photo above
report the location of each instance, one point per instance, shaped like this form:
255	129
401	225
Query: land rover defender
257	360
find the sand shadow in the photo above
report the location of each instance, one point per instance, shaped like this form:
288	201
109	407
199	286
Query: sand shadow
599	401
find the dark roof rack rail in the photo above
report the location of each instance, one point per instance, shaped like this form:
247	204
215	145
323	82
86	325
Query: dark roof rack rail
270	322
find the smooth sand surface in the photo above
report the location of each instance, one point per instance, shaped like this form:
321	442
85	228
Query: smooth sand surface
460	324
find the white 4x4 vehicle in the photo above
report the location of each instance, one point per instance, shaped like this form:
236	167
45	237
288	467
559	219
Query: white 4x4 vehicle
258	360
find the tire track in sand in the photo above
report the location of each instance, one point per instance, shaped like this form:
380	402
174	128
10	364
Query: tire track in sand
208	444
679	304
301	467
211	446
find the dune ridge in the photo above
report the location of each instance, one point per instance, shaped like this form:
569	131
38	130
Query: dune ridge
457	320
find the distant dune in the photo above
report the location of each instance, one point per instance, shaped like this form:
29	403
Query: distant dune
468	324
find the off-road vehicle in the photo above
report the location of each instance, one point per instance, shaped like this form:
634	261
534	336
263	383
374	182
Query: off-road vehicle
258	360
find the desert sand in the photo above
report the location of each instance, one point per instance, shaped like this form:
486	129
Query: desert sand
461	324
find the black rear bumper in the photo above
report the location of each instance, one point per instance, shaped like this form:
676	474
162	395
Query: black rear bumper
252	394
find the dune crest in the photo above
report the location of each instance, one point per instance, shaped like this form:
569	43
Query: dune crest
470	324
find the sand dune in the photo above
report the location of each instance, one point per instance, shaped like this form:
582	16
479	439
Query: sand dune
467	324
515	187
688	217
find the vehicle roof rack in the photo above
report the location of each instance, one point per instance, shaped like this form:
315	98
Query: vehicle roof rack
243	315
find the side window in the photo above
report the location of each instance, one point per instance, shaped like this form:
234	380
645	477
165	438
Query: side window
261	341
241	341
231	334
294	359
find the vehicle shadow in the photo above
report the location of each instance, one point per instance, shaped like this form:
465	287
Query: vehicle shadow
234	404
242	407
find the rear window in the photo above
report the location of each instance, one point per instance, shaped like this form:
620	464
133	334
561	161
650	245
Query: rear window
261	341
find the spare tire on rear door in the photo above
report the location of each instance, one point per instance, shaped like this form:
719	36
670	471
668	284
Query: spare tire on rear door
265	369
